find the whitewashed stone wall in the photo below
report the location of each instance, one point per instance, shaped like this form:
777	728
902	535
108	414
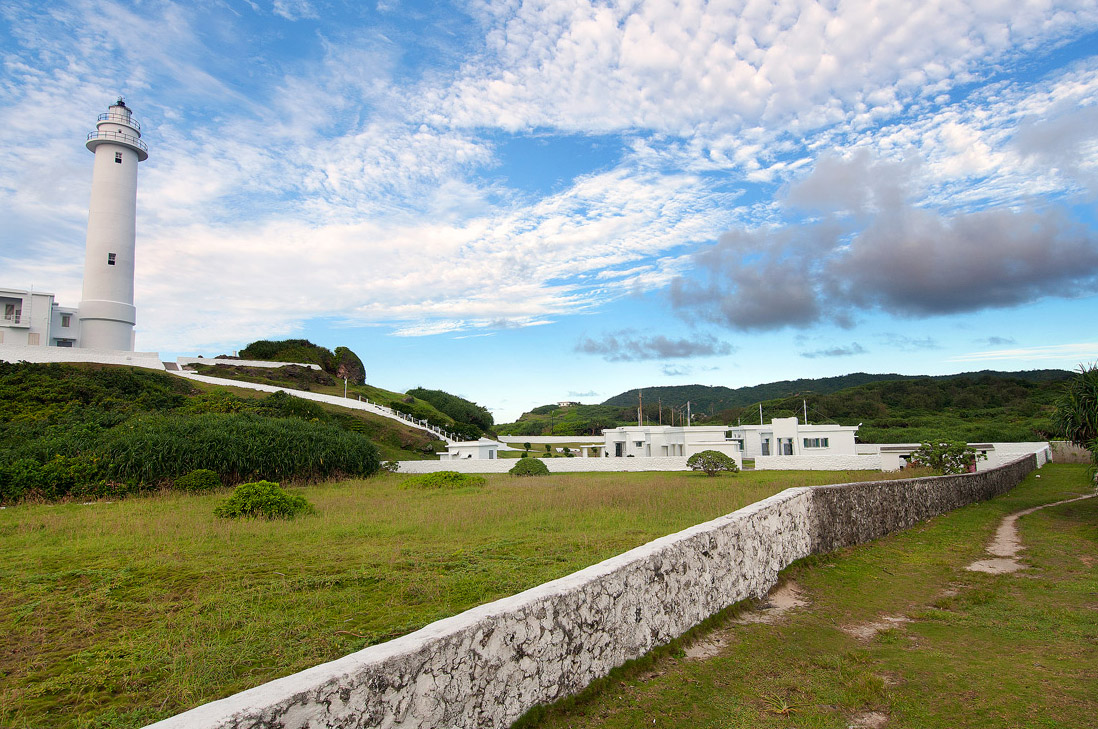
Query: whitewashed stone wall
24	353
487	666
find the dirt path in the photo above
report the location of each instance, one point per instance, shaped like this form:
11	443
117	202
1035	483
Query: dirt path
1006	545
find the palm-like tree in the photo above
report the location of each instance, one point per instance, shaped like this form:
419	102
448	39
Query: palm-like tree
1076	415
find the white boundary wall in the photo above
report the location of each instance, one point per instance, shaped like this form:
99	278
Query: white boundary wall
488	665
555	465
834	462
188	361
24	353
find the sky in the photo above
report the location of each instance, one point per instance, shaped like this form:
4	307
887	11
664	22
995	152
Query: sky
527	202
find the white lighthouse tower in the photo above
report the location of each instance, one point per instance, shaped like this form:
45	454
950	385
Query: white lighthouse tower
106	312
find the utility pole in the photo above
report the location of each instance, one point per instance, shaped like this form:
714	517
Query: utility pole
660	401
688	418
805	403
760	413
640	409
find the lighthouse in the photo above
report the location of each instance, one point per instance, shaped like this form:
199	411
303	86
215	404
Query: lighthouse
107	314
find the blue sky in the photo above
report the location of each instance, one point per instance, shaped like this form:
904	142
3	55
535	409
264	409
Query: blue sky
530	202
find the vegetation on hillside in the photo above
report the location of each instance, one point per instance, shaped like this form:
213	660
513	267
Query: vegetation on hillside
310	380
92	431
1077	410
458	408
342	363
976	407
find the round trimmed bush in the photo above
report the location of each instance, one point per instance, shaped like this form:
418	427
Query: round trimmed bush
198	480
529	467
712	462
263	499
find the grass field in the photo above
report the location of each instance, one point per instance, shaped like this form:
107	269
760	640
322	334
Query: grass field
119	614
980	650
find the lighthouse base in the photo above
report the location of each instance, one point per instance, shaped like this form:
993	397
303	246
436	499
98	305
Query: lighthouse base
107	325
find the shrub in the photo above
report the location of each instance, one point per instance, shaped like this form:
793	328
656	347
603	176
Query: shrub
529	467
945	457
198	480
390	466
238	446
712	462
443	480
263	499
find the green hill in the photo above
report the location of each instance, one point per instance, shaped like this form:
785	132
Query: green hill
91	430
977	406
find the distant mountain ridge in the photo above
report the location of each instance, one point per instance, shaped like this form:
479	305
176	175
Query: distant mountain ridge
705	398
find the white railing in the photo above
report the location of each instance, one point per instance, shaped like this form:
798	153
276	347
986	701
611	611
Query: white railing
425	425
120	119
119	137
13	318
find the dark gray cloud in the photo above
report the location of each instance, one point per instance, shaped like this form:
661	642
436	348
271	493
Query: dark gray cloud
628	346
867	247
848	350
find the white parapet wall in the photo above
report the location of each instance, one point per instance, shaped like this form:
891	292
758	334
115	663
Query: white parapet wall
24	353
834	462
188	361
489	665
555	465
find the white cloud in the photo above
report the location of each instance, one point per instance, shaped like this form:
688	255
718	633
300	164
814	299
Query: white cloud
1076	352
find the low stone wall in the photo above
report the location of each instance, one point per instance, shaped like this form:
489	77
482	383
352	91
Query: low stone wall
487	666
833	462
555	465
25	353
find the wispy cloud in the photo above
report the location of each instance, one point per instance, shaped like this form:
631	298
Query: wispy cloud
1078	352
848	350
629	346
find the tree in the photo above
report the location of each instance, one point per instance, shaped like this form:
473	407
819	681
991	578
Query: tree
712	462
946	457
526	447
1076	415
529	467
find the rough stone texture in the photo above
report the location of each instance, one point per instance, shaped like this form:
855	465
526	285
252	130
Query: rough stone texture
488	665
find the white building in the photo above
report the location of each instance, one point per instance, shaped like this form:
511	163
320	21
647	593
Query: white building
783	436
483	449
106	315
33	318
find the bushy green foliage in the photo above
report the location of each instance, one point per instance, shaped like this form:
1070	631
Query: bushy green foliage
946	457
712	462
458	408
239	446
341	363
197	481
85	431
1076	415
443	480
263	499
529	467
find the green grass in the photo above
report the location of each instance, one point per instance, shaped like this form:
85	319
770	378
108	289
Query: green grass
982	651
118	614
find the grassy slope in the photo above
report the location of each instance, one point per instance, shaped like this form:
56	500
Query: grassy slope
984	651
394	440
319	382
117	614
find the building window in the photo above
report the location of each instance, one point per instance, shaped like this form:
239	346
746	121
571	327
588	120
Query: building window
66	320
118	158
639	443
815	443
110	259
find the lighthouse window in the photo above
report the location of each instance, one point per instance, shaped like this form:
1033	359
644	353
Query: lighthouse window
110	259
118	158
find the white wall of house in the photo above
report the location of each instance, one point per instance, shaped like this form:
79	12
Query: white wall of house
784	436
478	450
